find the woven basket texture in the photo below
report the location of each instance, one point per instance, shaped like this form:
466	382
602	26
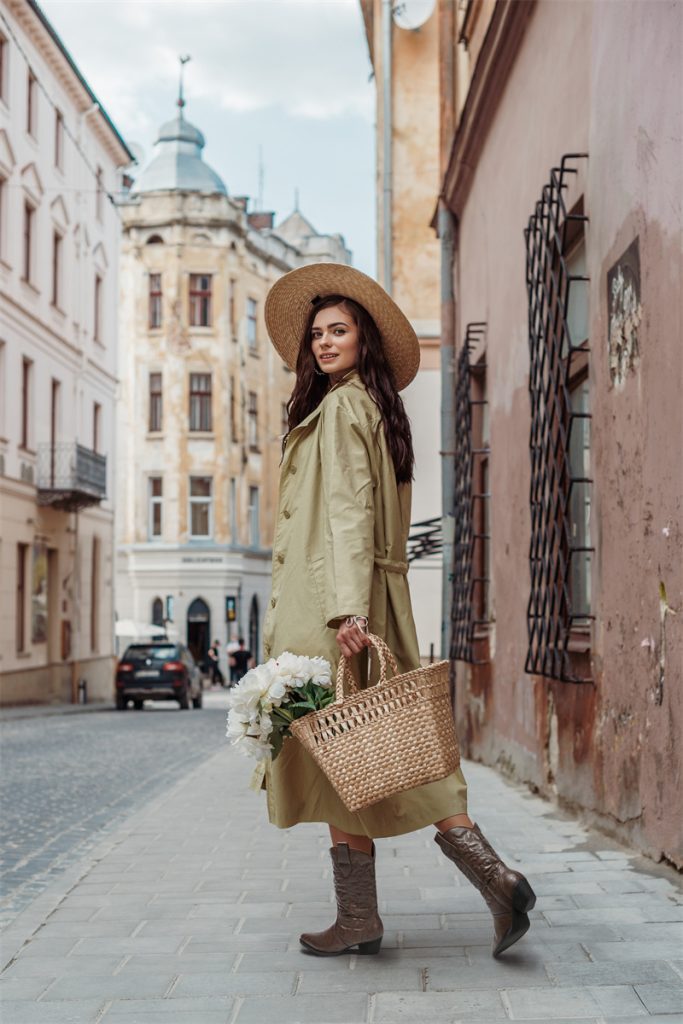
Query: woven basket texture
393	736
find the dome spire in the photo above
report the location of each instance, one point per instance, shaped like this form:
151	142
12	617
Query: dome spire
181	95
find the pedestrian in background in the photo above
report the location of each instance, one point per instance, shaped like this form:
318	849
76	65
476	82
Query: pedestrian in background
340	566
242	658
214	664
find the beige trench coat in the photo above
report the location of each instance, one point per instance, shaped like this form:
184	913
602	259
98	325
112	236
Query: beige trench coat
339	550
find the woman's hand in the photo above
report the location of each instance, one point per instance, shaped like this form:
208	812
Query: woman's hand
351	639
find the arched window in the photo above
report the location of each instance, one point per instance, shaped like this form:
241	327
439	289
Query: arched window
254	628
157	612
155	240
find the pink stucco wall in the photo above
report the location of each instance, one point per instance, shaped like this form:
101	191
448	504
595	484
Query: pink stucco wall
602	78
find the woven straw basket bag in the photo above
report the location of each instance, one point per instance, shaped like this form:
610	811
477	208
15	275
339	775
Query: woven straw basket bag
390	737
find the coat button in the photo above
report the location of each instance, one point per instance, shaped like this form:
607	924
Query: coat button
292	469
273	602
286	514
280	559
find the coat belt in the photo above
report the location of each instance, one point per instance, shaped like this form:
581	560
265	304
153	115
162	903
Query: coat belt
389	566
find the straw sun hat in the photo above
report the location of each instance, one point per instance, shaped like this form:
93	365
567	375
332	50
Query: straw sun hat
289	304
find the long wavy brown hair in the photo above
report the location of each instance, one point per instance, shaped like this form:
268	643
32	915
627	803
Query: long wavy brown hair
373	370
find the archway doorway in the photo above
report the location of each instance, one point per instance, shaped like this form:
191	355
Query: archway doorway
199	630
254	629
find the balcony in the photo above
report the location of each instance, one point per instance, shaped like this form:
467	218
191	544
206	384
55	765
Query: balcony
70	477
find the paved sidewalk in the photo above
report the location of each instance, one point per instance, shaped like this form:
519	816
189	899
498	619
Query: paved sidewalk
191	911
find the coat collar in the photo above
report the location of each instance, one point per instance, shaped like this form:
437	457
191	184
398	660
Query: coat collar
351	378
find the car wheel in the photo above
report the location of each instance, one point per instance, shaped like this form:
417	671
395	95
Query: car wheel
121	702
184	699
137	704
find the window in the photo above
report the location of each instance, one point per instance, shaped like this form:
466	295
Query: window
31	104
95	594
252	322
99	193
3	213
200	401
232	311
59	139
22	580
470	608
233	510
56	268
200	300
254	517
97	311
156	494
559	609
201	515
252	421
155	403
29	227
55	396
233	411
4	61
26	398
154	301
96	426
157	612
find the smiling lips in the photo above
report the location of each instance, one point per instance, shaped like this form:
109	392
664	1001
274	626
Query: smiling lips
328	355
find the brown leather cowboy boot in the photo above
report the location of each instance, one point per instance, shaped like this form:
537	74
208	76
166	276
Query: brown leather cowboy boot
507	893
358	923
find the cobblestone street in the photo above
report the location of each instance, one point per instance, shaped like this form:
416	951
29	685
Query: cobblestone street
189	911
67	777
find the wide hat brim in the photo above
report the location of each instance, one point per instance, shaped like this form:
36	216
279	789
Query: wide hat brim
289	302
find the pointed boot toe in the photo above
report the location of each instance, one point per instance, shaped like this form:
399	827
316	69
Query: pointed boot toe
358	926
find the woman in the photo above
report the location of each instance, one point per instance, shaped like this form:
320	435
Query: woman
339	566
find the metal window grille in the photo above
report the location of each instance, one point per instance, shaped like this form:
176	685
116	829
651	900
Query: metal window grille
550	614
470	579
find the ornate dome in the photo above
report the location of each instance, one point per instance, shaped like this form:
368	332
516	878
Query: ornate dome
178	164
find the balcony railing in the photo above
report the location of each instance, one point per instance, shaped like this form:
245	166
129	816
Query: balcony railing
70	476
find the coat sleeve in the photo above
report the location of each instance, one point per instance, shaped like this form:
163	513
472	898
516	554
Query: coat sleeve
349	510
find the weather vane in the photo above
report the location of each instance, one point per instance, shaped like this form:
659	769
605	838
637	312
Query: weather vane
181	98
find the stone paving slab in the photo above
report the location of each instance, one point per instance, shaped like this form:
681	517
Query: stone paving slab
209	935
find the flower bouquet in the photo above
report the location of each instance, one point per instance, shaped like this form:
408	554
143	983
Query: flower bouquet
269	697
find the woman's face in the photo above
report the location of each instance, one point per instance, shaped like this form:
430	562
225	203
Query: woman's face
334	341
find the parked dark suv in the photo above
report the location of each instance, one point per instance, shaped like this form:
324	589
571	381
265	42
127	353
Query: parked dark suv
160	670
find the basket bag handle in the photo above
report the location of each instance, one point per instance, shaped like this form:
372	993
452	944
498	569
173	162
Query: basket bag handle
344	674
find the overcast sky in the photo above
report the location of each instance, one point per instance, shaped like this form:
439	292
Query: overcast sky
289	76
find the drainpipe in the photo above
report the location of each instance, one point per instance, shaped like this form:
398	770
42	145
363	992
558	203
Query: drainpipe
446	235
387	127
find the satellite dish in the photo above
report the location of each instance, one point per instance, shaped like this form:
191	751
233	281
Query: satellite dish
412	14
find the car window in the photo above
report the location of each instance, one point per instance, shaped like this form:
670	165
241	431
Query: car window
143	652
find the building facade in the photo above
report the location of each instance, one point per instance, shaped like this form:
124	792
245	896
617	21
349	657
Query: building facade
562	177
406	70
60	160
203	397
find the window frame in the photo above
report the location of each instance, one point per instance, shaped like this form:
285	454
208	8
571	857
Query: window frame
26	434
21	599
155	506
200	500
155	402
254	516
57	274
154	302
4	69
252	324
200	301
252	421
59	140
97	308
200	419
28	238
31	104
